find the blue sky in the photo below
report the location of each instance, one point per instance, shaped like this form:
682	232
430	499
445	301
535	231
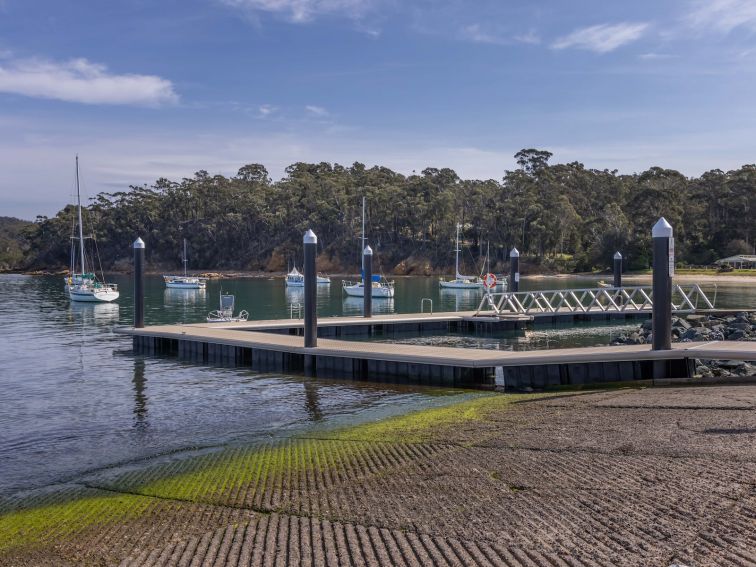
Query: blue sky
144	88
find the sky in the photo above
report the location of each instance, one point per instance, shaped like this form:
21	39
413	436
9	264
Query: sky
142	89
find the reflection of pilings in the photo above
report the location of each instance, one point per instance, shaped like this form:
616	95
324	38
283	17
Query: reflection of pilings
140	400
312	401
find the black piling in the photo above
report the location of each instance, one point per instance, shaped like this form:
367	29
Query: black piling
367	266
514	270
139	283
664	269
310	290
617	269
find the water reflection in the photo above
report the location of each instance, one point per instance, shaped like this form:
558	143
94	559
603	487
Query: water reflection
354	305
459	299
177	296
94	313
312	401
140	399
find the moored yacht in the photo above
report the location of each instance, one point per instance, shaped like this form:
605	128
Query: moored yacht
295	278
85	286
381	287
460	281
186	281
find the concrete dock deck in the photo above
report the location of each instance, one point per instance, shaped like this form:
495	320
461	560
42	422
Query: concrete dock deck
275	346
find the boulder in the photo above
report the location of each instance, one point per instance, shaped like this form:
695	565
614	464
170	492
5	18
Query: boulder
681	323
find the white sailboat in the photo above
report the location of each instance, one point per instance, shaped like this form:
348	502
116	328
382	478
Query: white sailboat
186	281
460	281
381	287
296	279
85	286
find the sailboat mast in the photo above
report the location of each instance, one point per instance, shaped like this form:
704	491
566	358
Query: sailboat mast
456	259
81	229
185	260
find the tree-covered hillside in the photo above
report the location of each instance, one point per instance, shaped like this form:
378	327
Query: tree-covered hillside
562	216
13	242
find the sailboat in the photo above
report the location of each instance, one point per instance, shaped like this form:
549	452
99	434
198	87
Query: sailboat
381	287
185	281
85	286
295	278
460	281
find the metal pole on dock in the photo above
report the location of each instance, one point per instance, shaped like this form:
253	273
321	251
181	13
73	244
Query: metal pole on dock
310	290
139	283
514	270
617	269
664	269
367	265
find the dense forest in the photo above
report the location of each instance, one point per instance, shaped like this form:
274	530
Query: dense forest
561	217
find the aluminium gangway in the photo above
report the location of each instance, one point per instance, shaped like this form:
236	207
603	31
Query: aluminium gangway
685	299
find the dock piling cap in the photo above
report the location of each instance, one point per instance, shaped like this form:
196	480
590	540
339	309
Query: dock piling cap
662	229
617	256
515	253
139	243
367	251
310	237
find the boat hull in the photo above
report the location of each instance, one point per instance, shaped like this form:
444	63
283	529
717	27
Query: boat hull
359	291
320	281
184	285
93	295
460	285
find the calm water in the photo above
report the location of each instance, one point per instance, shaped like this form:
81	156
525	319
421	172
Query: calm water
76	399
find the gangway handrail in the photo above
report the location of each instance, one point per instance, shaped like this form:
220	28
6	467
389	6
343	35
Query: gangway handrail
685	299
422	304
295	307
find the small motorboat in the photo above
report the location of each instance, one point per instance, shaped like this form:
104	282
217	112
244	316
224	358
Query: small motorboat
226	312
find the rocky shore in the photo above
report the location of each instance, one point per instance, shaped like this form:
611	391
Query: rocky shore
702	328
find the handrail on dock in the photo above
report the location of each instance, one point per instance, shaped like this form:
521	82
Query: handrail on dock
685	299
295	307
422	304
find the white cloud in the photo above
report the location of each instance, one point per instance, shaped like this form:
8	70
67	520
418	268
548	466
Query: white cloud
80	80
477	34
602	38
723	15
316	110
651	56
531	38
266	110
304	10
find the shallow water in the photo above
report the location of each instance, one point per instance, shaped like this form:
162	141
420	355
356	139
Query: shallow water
75	398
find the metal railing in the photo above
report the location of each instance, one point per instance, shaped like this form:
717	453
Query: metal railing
685	298
295	307
422	304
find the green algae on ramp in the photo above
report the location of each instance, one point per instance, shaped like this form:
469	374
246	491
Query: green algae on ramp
431	425
64	514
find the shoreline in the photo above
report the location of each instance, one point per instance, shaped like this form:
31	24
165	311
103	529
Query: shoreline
642	278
